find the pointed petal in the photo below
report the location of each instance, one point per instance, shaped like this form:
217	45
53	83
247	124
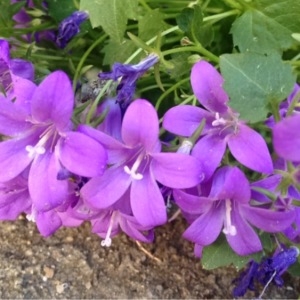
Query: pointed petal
246	240
185	119
14	157
207	85
116	151
12	118
103	191
224	185
22	68
147	203
48	222
190	203
82	155
4	51
140	125
268	220
209	150
45	190
207	227
53	100
176	170
286	138
250	149
130	226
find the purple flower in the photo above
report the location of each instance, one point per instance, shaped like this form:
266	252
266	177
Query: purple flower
69	27
246	280
137	164
222	125
286	138
227	208
40	140
273	268
16	75
129	74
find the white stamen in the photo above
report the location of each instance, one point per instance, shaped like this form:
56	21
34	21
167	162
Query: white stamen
32	217
133	171
228	227
33	151
218	121
107	241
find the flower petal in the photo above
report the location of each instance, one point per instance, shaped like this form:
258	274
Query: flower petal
45	190
185	119
103	191
116	151
12	118
207	85
147	203
48	222
190	203
246	240
14	157
176	170
207	227
268	220
209	150
53	100
22	68
224	185
286	138
140	125
250	149
82	155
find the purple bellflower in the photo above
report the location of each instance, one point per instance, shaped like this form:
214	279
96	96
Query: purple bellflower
129	74
40	141
137	164
70	27
227	208
222	125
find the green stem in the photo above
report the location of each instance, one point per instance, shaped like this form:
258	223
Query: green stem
294	102
84	57
197	48
220	16
145	5
275	111
169	91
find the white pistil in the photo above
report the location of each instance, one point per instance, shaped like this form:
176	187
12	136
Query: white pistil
33	151
133	171
218	121
107	241
228	227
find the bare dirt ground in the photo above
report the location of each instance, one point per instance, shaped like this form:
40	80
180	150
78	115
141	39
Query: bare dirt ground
72	264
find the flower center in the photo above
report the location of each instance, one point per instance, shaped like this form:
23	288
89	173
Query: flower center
133	171
228	227
218	121
40	147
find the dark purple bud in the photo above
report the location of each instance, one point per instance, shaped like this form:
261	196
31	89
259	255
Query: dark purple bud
69	27
246	280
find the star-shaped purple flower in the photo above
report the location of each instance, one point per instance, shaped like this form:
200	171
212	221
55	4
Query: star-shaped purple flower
222	125
41	142
227	208
137	164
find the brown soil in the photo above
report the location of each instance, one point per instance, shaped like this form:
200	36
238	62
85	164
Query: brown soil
72	264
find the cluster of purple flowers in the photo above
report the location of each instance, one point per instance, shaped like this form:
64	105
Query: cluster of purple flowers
116	175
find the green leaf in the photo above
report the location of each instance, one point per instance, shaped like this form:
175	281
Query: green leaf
112	15
254	82
181	65
151	24
190	21
268	27
112	52
60	9
295	269
220	254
